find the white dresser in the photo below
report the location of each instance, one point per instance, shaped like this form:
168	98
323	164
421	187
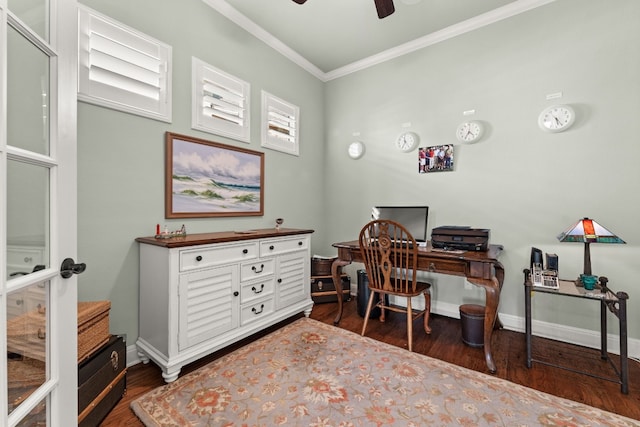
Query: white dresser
202	292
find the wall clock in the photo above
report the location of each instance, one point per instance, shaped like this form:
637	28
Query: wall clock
407	141
556	118
356	149
470	131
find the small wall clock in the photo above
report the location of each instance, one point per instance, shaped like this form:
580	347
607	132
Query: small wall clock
356	149
470	131
407	141
556	118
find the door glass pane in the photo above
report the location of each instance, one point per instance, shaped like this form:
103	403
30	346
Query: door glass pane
27	218
28	94
34	13
36	418
27	331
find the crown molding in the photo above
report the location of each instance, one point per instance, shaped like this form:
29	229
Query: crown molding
488	18
260	33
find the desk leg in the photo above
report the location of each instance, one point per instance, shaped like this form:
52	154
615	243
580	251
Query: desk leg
527	314
624	351
335	273
499	272
492	291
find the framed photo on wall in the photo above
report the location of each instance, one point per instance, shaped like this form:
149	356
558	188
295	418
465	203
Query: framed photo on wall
209	179
437	158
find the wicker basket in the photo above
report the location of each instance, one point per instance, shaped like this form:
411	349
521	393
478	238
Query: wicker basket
93	327
26	332
322	266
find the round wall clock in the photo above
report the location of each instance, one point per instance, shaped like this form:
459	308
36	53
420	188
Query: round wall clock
356	149
556	118
407	141
469	131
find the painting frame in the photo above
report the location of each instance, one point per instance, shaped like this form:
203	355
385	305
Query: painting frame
205	179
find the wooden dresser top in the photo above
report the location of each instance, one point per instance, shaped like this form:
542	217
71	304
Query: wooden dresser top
221	237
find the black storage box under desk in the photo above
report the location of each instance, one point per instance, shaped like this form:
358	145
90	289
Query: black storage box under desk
324	290
102	382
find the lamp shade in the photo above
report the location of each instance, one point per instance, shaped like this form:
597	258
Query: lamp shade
588	231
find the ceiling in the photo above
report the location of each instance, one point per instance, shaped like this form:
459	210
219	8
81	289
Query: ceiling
332	38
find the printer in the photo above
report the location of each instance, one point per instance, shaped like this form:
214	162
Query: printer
456	237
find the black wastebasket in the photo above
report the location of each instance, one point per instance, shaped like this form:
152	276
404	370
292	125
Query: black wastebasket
472	322
363	296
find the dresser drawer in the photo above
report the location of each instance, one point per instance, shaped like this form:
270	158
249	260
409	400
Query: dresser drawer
23	259
254	290
447	267
256	310
281	246
256	269
193	259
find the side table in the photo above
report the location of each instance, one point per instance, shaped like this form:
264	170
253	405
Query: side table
616	303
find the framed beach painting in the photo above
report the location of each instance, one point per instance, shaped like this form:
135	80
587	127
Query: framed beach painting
208	179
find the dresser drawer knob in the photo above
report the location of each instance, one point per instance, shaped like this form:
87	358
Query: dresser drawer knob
271	247
255	270
432	267
236	293
279	280
255	291
245	251
256	311
199	258
300	243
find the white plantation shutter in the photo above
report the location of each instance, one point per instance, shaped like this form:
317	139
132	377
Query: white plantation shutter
280	124
121	68
220	102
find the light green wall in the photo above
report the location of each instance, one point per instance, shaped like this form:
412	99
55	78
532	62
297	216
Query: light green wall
525	185
121	156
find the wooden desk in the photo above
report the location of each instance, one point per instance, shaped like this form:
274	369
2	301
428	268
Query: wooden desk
480	268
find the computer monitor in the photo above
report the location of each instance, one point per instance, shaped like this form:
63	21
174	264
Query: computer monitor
413	218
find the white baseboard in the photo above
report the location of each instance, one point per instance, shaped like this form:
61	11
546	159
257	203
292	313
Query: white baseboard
132	355
578	336
583	337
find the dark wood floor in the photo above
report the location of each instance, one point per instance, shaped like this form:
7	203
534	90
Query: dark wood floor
445	344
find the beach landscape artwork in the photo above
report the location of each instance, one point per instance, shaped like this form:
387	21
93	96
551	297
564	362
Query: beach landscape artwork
206	179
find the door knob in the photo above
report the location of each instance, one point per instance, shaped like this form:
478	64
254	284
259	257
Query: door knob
69	267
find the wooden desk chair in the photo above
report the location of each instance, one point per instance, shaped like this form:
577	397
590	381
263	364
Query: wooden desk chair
390	256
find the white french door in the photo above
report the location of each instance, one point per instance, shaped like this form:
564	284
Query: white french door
38	321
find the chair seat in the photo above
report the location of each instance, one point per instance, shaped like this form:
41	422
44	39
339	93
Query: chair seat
419	290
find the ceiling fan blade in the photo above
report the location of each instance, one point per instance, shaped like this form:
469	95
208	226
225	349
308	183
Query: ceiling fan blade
300	1
384	8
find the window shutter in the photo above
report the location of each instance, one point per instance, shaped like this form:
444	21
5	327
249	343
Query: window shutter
280	124
121	68
220	102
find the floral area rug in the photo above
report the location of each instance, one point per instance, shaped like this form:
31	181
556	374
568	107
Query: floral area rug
312	374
